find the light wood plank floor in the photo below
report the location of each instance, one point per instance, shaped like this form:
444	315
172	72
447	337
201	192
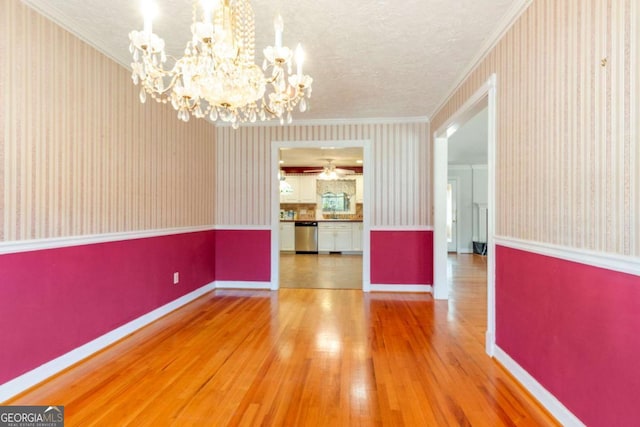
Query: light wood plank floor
320	271
302	357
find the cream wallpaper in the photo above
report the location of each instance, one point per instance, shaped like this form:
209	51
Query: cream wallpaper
567	157
400	186
79	154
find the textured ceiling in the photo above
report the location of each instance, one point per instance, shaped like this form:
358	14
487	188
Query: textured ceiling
469	144
368	59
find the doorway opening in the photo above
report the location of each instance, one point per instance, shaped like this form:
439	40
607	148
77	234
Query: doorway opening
480	218
452	215
325	190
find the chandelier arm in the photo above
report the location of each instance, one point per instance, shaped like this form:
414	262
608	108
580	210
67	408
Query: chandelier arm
168	88
271	80
218	74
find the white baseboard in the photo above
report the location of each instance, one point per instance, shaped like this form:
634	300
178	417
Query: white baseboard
546	399
490	343
242	285
401	288
41	373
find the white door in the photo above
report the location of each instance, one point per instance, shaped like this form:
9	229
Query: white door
452	213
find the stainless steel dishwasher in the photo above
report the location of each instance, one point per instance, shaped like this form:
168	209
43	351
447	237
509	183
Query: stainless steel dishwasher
306	237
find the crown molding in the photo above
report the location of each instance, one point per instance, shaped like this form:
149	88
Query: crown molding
72	26
333	122
52	13
515	11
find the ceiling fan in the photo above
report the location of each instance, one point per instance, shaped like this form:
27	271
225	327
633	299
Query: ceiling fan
330	171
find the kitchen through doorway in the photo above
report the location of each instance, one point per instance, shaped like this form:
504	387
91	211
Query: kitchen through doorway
321	216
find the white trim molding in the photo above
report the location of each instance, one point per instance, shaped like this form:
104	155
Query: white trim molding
401	288
634	124
402	228
243	227
515	11
222	284
619	263
275	203
484	97
76	28
335	122
64	242
47	370
546	399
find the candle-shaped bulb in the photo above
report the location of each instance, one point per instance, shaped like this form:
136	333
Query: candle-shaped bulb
278	25
207	9
299	59
149	11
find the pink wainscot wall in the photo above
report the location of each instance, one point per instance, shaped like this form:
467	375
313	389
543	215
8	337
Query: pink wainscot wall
243	255
576	329
53	301
402	257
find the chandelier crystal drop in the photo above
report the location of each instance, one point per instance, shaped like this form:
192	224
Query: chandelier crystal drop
217	77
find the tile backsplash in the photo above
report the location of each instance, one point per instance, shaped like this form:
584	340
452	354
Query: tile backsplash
300	210
308	211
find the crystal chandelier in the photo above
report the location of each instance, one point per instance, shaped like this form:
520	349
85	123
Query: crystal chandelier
217	77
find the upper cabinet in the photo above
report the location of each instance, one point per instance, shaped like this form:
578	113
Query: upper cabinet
304	189
307	187
294	195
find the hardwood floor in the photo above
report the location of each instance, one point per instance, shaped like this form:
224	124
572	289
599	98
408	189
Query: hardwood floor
313	271
302	357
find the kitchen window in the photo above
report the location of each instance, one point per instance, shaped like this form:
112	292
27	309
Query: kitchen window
332	202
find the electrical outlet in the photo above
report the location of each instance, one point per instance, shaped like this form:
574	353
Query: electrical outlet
176	278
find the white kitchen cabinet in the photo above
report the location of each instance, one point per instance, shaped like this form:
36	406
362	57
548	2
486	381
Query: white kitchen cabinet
356	236
295	194
304	189
307	189
287	236
359	189
343	241
335	237
326	240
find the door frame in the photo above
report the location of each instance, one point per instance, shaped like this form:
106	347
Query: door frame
367	155
484	96
454	226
